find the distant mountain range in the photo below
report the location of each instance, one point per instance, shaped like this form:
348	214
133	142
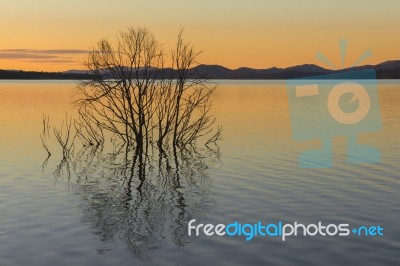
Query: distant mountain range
385	70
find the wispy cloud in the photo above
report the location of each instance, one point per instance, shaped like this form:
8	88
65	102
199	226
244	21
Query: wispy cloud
44	56
25	56
37	51
53	61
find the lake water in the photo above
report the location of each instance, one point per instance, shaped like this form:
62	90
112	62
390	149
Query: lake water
109	208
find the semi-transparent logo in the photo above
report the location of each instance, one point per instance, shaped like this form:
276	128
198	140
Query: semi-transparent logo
338	104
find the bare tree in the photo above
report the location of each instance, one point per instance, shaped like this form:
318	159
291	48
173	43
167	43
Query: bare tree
134	97
46	134
65	136
88	128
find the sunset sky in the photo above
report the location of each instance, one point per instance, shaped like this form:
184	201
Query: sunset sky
54	35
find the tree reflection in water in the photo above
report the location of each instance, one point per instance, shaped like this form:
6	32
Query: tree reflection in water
141	199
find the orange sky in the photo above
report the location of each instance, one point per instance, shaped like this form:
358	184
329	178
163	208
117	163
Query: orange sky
253	33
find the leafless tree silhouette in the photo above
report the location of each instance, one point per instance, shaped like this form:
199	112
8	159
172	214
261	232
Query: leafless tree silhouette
143	195
65	136
45	134
135	97
88	128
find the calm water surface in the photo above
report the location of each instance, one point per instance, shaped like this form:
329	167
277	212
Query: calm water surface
106	207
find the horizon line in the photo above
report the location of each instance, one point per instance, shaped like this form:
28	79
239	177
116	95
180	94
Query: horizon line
218	65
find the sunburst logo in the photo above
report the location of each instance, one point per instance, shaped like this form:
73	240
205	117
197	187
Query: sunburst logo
344	103
343	44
